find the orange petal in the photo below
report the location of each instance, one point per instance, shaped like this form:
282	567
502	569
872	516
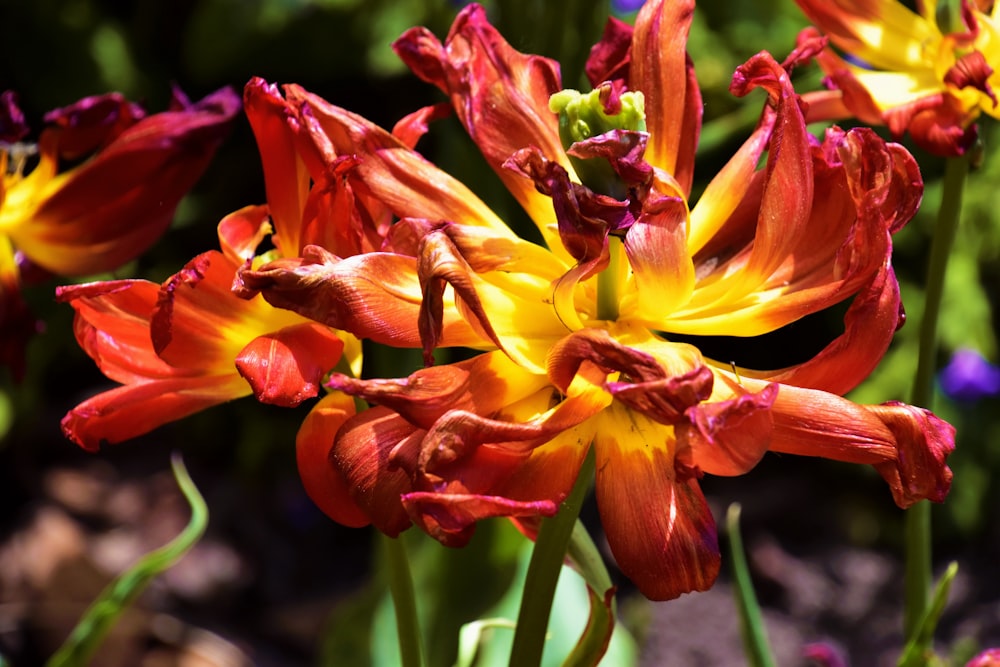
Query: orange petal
286	179
361	453
659	527
394	174
135	409
661	69
286	367
373	295
323	482
112	326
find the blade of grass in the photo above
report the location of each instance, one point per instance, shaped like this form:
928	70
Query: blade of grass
102	614
755	644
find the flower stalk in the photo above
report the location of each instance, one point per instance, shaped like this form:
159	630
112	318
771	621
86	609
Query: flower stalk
404	601
543	572
918	518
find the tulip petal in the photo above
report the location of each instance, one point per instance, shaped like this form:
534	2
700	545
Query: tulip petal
396	175
286	367
662	271
373	295
501	96
132	410
84	220
323	482
286	178
661	69
361	453
658	525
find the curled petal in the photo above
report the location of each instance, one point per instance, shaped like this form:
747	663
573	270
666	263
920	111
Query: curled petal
500	95
665	400
924	441
907	445
727	437
449	517
242	231
372	295
323	482
387	169
361	454
610	57
485	384
440	265
788	189
286	367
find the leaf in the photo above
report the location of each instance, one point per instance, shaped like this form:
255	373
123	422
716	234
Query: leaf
120	593
756	647
914	654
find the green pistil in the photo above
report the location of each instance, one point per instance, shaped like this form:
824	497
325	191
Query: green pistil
582	117
608	282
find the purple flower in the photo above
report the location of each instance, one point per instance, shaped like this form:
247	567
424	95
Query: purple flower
969	377
626	6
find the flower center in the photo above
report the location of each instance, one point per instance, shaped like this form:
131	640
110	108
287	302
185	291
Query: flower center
584	116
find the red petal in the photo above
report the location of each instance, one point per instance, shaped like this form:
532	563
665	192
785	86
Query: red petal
500	95
610	57
924	441
286	367
88	224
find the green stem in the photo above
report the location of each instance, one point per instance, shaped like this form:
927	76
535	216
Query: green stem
401	586
608	282
918	518
543	573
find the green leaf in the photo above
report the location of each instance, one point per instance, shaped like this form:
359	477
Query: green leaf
916	653
120	593
756	647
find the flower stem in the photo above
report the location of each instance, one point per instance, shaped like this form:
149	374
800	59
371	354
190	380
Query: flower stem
401	586
918	518
608	282
543	573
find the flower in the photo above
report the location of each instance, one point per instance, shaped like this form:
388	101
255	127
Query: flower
916	72
988	658
969	377
576	334
192	342
130	172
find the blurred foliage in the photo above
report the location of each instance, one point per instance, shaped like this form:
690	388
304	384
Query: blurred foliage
61	50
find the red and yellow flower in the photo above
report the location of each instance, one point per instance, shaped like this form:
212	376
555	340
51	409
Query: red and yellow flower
192	342
131	172
923	72
576	334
